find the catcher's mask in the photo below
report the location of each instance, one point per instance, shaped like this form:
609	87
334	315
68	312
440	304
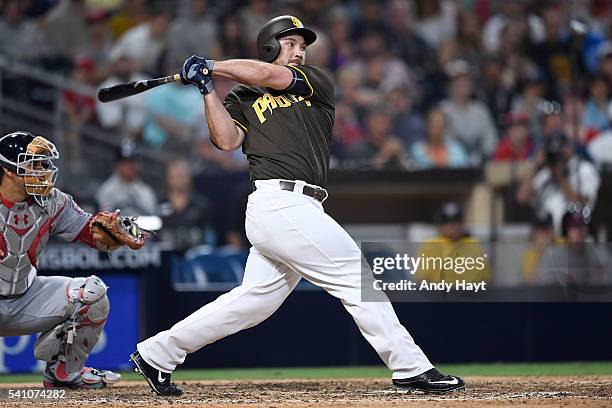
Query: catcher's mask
268	46
30	157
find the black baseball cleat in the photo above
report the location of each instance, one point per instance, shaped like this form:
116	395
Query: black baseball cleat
431	381
158	381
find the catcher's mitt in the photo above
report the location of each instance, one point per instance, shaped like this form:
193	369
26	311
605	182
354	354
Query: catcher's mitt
112	230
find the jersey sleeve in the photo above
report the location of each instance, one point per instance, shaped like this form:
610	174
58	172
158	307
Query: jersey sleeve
69	218
318	84
232	105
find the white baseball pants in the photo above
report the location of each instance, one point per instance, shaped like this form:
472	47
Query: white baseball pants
292	237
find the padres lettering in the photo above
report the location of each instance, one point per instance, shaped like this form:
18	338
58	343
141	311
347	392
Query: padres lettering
267	102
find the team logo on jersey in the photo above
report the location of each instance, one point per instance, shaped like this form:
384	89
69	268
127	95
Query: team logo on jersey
267	103
20	222
21	219
297	22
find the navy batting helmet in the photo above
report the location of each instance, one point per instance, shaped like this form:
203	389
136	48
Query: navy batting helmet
268	46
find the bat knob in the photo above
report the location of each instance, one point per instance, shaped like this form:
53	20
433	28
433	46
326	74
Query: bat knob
205	71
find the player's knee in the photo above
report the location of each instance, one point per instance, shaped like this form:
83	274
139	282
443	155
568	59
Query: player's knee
86	290
90	292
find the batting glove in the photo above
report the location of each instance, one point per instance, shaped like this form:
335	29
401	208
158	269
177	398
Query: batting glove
198	71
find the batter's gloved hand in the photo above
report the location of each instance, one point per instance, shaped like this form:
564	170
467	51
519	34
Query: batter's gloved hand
198	71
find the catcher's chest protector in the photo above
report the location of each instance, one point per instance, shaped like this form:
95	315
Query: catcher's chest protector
25	231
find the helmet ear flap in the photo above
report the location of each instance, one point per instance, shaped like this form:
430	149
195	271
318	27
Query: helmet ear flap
271	51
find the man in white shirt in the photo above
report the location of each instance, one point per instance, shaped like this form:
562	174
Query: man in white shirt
124	190
559	178
146	42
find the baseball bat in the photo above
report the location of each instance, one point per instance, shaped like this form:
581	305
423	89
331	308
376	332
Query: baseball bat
112	93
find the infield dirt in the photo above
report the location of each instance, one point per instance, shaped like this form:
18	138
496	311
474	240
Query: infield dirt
583	391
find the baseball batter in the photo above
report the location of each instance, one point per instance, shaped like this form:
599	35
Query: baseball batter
282	116
69	312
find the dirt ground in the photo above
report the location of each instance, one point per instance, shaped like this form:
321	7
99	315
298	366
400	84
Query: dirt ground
584	391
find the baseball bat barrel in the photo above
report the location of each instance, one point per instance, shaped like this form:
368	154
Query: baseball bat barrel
112	93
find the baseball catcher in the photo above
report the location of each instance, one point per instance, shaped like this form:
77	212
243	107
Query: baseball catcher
70	313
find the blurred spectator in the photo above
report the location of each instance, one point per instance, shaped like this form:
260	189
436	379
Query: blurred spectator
604	66
578	261
379	70
381	148
439	149
370	18
469	120
406	43
194	33
347	130
349	90
13	29
529	103
212	160
453	241
578	132
124	117
78	106
553	55
435	20
565	122
319	53
232	43
172	112
511	11
65	32
124	190
79	110
185	214
598	104
516	144
146	42
342	45
132	13
99	42
466	45
542	237
600	148
312	13
559	178
236	234
408	124
252	17
496	87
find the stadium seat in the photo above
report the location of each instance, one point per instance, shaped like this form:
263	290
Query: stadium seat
208	268
236	257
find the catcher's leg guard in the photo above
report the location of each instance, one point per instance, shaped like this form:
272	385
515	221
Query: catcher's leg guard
67	346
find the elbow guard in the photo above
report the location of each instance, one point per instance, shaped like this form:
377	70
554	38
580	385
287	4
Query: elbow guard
300	84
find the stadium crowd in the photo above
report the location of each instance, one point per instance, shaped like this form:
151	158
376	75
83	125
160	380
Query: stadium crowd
419	83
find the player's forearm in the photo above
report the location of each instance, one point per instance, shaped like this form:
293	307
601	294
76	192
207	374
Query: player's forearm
223	131
250	72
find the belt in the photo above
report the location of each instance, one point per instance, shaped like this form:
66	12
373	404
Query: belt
317	193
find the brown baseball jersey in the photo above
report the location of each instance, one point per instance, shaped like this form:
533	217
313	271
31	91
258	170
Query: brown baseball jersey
287	134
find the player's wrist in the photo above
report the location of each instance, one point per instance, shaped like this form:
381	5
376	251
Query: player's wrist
206	85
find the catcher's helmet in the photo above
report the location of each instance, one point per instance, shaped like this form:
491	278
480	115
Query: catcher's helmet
268	46
30	157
